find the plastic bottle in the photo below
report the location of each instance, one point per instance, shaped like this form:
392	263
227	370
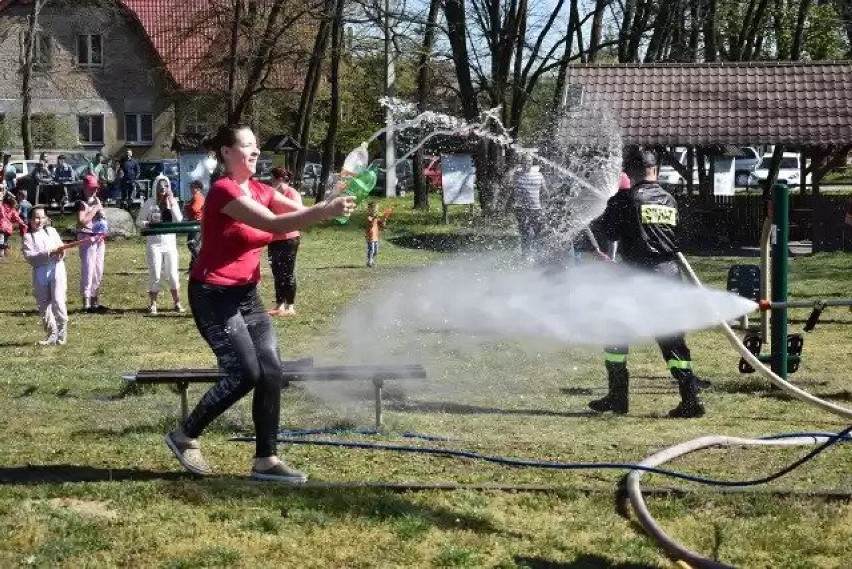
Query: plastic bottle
360	187
355	161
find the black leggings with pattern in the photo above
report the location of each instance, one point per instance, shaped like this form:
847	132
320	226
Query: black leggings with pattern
282	262
234	323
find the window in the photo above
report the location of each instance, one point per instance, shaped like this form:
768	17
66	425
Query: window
139	128
90	129
90	50
42	51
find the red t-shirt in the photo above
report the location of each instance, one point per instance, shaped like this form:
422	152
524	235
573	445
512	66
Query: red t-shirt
230	249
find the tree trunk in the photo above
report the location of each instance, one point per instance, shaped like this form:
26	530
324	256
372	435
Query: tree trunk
454	10
711	52
421	188
597	30
26	82
844	10
624	33
562	75
232	63
334	112
302	126
799	31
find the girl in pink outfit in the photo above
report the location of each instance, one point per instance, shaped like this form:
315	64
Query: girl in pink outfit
9	217
93	250
50	282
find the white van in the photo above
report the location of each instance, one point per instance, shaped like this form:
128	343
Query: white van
790	171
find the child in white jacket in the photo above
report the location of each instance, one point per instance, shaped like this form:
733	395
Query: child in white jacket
50	283
162	252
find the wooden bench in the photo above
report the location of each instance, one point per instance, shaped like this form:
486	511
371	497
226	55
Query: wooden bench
294	370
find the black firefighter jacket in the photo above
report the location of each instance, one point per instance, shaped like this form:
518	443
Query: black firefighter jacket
643	220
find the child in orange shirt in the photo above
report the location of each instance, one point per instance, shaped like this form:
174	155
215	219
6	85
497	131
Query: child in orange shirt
375	222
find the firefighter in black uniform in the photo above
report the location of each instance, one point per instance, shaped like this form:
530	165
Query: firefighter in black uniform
643	220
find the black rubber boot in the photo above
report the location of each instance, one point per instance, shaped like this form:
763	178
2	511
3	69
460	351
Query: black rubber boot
690	405
616	400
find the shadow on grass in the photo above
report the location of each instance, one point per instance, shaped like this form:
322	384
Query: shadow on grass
63	473
449	242
17	344
584	561
320	505
21	312
333	267
462	409
758	385
598	390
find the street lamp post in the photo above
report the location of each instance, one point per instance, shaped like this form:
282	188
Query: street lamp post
390	80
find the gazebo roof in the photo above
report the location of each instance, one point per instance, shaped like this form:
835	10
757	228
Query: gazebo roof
791	103
280	143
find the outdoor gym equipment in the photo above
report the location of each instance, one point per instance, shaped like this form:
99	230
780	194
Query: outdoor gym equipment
795	342
633	489
294	370
785	349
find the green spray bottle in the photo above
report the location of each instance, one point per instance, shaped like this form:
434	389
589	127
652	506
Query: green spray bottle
359	179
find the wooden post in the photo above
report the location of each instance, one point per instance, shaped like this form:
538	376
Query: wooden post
183	387
377	388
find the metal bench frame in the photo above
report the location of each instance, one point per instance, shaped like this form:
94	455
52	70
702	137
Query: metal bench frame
296	370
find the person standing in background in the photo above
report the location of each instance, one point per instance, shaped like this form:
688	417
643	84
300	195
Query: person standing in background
129	175
10	175
283	249
24	206
161	250
528	182
9	217
193	211
93	249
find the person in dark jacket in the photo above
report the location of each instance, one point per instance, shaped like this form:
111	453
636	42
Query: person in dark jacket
129	175
643	220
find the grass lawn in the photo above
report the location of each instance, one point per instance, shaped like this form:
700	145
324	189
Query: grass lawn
86	481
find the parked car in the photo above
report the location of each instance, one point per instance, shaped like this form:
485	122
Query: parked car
79	162
310	179
670	178
150	169
790	171
744	164
404	176
263	172
23	167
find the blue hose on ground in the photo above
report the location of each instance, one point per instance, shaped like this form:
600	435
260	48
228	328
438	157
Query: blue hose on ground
831	439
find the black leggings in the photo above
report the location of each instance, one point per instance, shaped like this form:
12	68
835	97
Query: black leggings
234	323
282	261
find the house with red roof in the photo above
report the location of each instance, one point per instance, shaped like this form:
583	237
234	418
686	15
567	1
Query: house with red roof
111	74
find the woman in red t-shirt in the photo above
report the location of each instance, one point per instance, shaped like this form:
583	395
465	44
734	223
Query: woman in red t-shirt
238	222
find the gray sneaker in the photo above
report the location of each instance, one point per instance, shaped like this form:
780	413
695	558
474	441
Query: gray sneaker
49	341
281	472
188	454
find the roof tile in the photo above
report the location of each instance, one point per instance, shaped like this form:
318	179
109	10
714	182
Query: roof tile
737	103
